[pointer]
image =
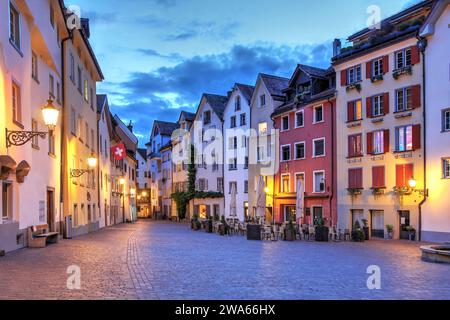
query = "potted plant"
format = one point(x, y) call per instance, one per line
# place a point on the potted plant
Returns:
point(411, 233)
point(321, 231)
point(357, 233)
point(390, 231)
point(366, 229)
point(289, 232)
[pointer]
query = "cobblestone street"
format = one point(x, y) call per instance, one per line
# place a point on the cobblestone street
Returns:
point(152, 260)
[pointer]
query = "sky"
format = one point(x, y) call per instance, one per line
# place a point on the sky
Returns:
point(159, 56)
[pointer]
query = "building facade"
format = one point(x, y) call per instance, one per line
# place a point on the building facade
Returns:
point(165, 184)
point(380, 126)
point(307, 147)
point(30, 73)
point(206, 137)
point(264, 155)
point(143, 184)
point(436, 210)
point(236, 136)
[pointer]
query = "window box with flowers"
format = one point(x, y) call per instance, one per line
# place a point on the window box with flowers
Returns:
point(403, 71)
point(355, 191)
point(402, 191)
point(356, 86)
point(378, 78)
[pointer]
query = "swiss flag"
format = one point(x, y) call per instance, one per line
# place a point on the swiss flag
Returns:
point(119, 151)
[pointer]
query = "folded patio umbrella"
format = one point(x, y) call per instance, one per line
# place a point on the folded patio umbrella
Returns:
point(261, 200)
point(233, 201)
point(299, 204)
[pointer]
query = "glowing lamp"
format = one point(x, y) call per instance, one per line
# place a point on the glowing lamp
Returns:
point(92, 161)
point(266, 190)
point(50, 114)
point(412, 183)
point(122, 181)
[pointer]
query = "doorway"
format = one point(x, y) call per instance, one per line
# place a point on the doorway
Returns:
point(51, 209)
point(405, 223)
point(317, 214)
point(377, 223)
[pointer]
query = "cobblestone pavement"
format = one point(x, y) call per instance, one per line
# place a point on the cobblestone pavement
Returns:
point(150, 260)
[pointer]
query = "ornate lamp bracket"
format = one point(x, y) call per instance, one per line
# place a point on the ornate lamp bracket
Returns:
point(76, 173)
point(20, 138)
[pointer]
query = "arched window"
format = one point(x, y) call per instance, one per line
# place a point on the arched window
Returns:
point(237, 105)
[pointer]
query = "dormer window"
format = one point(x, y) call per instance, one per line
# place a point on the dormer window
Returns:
point(304, 89)
point(237, 104)
point(262, 100)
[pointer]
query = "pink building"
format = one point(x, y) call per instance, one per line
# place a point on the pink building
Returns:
point(307, 146)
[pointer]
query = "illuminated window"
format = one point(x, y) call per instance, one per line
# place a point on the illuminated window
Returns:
point(404, 138)
point(16, 103)
point(285, 183)
point(446, 168)
point(262, 128)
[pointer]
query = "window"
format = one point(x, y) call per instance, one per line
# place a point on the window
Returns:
point(404, 173)
point(300, 119)
point(319, 181)
point(246, 186)
point(378, 138)
point(92, 140)
point(319, 148)
point(230, 186)
point(355, 178)
point(318, 114)
point(86, 127)
point(51, 85)
point(58, 92)
point(233, 122)
point(446, 120)
point(86, 90)
point(237, 104)
point(232, 165)
point(286, 153)
point(377, 106)
point(51, 144)
point(378, 177)
point(407, 138)
point(72, 68)
point(35, 128)
point(285, 183)
point(300, 152)
point(403, 99)
point(79, 80)
point(355, 146)
point(14, 26)
point(262, 100)
point(220, 185)
point(34, 67)
point(354, 110)
point(446, 168)
point(7, 201)
point(262, 128)
point(16, 103)
point(244, 141)
point(403, 58)
point(285, 123)
point(377, 67)
point(80, 128)
point(73, 121)
point(243, 119)
point(354, 74)
point(299, 177)
point(52, 16)
point(232, 143)
point(246, 163)
point(92, 98)
point(207, 117)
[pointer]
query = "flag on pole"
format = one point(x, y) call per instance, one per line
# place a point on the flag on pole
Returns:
point(119, 151)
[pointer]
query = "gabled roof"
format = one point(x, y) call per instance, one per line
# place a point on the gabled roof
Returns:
point(246, 90)
point(217, 103)
point(102, 99)
point(188, 116)
point(439, 8)
point(275, 84)
point(313, 71)
point(164, 128)
point(142, 152)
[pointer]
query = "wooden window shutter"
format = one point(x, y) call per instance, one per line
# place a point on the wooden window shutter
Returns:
point(409, 173)
point(369, 107)
point(351, 148)
point(351, 111)
point(369, 69)
point(385, 64)
point(386, 103)
point(344, 77)
point(386, 141)
point(378, 177)
point(351, 178)
point(400, 175)
point(415, 96)
point(359, 178)
point(355, 178)
point(415, 55)
point(369, 142)
point(416, 132)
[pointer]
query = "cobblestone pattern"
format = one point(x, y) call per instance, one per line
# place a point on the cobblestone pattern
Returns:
point(151, 260)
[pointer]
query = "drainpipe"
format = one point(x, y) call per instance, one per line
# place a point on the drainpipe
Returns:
point(333, 135)
point(422, 43)
point(63, 145)
point(223, 170)
point(274, 175)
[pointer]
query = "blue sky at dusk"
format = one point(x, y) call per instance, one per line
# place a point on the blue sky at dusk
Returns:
point(158, 56)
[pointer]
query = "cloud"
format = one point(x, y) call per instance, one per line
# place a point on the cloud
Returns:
point(158, 94)
point(96, 17)
point(154, 53)
point(166, 3)
point(181, 36)
point(203, 29)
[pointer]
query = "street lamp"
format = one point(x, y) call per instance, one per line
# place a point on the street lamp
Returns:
point(92, 163)
point(122, 181)
point(412, 183)
point(20, 138)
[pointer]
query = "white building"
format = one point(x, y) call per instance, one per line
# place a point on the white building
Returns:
point(236, 138)
point(206, 137)
point(160, 136)
point(165, 183)
point(436, 209)
point(30, 72)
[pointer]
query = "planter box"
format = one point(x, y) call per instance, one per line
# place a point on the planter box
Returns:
point(254, 232)
point(322, 234)
point(289, 235)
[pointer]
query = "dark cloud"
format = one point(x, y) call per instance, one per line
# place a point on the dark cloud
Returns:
point(154, 53)
point(215, 73)
point(203, 29)
point(181, 36)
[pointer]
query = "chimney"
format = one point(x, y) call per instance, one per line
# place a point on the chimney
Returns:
point(337, 47)
point(85, 27)
point(130, 126)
